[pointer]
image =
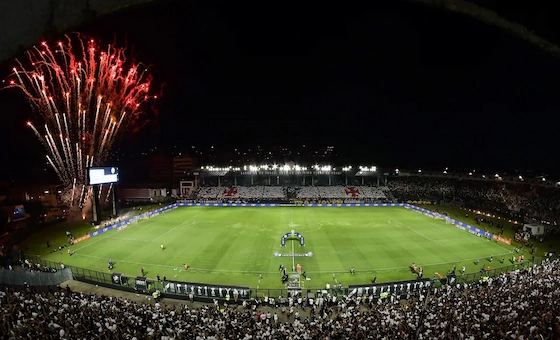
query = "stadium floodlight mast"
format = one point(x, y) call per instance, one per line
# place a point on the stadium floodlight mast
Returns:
point(217, 169)
point(370, 169)
point(345, 170)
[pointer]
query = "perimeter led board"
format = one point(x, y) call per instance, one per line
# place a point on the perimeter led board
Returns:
point(103, 175)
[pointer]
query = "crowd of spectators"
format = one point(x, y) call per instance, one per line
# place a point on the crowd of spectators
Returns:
point(341, 192)
point(517, 305)
point(512, 198)
point(347, 194)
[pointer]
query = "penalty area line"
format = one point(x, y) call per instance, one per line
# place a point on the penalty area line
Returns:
point(185, 224)
point(180, 270)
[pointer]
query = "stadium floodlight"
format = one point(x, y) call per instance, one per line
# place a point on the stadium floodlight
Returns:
point(470, 173)
point(253, 168)
point(346, 168)
point(326, 168)
point(420, 170)
point(298, 168)
point(544, 179)
point(286, 167)
point(445, 172)
point(520, 177)
point(397, 171)
point(275, 166)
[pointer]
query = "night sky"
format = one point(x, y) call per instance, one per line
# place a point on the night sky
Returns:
point(396, 85)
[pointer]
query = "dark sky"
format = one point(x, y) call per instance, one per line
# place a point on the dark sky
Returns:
point(390, 84)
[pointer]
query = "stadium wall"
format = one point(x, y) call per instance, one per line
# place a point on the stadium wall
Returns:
point(21, 278)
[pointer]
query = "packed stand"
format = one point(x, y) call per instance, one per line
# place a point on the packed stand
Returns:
point(516, 305)
point(511, 198)
point(332, 194)
point(348, 194)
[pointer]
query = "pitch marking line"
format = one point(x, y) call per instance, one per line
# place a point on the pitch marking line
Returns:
point(404, 225)
point(441, 227)
point(125, 261)
point(94, 242)
point(499, 246)
point(180, 270)
point(436, 225)
point(111, 232)
point(152, 222)
point(143, 264)
point(179, 226)
point(128, 239)
point(293, 247)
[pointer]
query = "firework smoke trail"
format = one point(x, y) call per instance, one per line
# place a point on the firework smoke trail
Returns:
point(85, 96)
point(73, 192)
point(109, 191)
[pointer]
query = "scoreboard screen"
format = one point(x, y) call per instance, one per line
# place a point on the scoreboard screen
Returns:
point(103, 175)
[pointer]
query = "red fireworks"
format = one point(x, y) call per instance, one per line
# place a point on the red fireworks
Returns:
point(84, 96)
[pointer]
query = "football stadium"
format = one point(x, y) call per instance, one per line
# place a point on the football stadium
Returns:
point(265, 170)
point(373, 239)
point(247, 244)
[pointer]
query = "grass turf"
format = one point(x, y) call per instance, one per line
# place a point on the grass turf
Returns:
point(234, 245)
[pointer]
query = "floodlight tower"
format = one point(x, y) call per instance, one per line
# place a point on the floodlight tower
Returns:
point(345, 170)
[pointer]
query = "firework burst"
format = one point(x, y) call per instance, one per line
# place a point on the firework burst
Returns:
point(85, 97)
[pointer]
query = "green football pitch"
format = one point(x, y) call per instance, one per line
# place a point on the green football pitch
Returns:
point(236, 245)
